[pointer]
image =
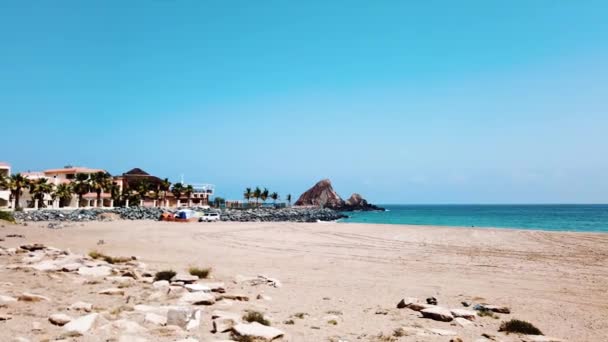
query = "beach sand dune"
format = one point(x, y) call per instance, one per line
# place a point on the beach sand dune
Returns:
point(355, 274)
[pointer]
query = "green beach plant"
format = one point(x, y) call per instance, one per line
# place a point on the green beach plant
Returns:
point(202, 273)
point(519, 327)
point(256, 316)
point(164, 275)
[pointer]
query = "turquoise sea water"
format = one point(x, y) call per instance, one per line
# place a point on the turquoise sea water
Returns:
point(563, 217)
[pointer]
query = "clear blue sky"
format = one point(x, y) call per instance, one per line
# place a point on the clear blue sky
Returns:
point(402, 101)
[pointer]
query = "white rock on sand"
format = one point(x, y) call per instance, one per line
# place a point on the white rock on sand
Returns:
point(7, 299)
point(82, 324)
point(160, 284)
point(155, 319)
point(463, 322)
point(198, 298)
point(185, 318)
point(98, 271)
point(224, 321)
point(59, 319)
point(184, 278)
point(197, 288)
point(468, 314)
point(30, 297)
point(258, 331)
point(83, 306)
point(114, 291)
point(438, 314)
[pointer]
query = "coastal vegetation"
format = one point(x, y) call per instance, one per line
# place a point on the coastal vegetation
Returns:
point(262, 194)
point(7, 216)
point(164, 275)
point(256, 316)
point(202, 273)
point(519, 327)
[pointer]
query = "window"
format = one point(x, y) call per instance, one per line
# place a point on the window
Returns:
point(69, 176)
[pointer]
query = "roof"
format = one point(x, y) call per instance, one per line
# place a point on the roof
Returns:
point(76, 169)
point(136, 172)
point(3, 164)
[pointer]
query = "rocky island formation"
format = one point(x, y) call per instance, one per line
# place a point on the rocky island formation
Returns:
point(323, 195)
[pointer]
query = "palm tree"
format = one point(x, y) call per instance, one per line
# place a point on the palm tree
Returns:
point(164, 186)
point(218, 201)
point(248, 194)
point(264, 195)
point(274, 196)
point(100, 182)
point(289, 199)
point(257, 193)
point(39, 188)
point(142, 188)
point(81, 186)
point(16, 183)
point(115, 192)
point(64, 193)
point(177, 190)
point(188, 192)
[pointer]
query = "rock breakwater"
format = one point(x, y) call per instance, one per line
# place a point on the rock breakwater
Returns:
point(144, 213)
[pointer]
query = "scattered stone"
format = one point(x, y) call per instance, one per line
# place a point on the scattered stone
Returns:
point(59, 319)
point(498, 309)
point(155, 319)
point(215, 286)
point(5, 317)
point(6, 299)
point(239, 297)
point(198, 298)
point(410, 331)
point(406, 302)
point(442, 332)
point(33, 247)
point(540, 338)
point(463, 322)
point(263, 297)
point(114, 291)
point(185, 318)
point(30, 297)
point(465, 304)
point(197, 288)
point(420, 306)
point(184, 278)
point(82, 324)
point(82, 306)
point(438, 314)
point(258, 331)
point(431, 301)
point(97, 271)
point(160, 284)
point(468, 314)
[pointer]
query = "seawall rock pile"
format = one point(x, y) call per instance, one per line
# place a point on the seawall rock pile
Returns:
point(145, 213)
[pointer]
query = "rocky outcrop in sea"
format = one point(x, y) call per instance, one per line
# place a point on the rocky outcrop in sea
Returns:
point(144, 213)
point(323, 195)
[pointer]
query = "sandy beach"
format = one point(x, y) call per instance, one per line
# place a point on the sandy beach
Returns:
point(354, 274)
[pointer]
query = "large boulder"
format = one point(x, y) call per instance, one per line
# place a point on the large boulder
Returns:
point(321, 194)
point(257, 331)
point(438, 314)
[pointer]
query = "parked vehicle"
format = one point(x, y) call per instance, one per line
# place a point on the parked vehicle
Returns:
point(209, 217)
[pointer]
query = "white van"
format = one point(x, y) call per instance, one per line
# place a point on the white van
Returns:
point(209, 217)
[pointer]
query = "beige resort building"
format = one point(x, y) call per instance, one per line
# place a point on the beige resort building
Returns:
point(5, 194)
point(63, 176)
